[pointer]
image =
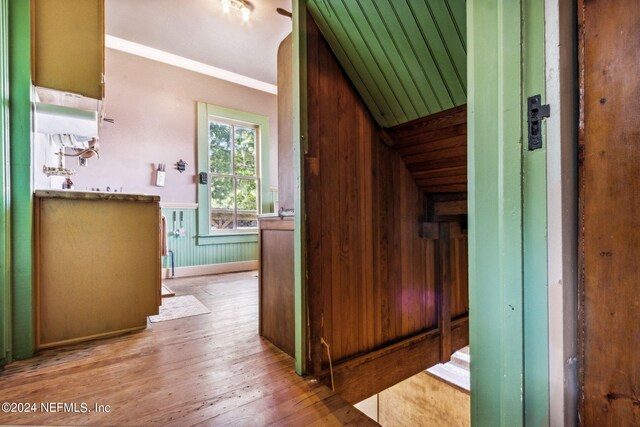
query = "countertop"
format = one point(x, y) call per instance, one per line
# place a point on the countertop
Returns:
point(94, 195)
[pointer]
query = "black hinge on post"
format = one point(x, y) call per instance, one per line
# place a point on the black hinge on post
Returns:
point(535, 113)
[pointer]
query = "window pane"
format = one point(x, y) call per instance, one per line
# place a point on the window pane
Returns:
point(247, 195)
point(245, 141)
point(220, 148)
point(222, 203)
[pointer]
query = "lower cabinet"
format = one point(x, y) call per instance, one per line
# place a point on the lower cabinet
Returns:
point(97, 264)
point(277, 282)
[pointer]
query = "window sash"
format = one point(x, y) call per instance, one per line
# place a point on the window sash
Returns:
point(233, 176)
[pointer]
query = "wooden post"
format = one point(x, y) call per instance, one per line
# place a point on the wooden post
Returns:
point(444, 290)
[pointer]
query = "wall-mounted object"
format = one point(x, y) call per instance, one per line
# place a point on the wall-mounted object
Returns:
point(60, 170)
point(181, 165)
point(203, 178)
point(58, 119)
point(160, 175)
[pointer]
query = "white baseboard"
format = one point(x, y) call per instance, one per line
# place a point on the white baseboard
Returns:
point(203, 270)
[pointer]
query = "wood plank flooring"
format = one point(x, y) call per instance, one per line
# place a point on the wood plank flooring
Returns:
point(211, 369)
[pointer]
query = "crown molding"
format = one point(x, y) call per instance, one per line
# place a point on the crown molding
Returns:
point(143, 51)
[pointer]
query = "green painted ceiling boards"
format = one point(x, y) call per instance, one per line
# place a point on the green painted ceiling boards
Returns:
point(407, 58)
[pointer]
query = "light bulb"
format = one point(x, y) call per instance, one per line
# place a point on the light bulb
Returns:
point(226, 5)
point(245, 13)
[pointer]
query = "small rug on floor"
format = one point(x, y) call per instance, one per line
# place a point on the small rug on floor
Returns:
point(166, 292)
point(179, 307)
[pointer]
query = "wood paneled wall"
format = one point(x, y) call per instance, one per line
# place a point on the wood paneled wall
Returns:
point(609, 193)
point(371, 278)
point(434, 148)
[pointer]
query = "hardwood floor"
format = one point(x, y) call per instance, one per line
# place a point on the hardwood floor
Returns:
point(211, 369)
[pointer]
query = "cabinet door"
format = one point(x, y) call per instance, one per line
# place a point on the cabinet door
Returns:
point(68, 46)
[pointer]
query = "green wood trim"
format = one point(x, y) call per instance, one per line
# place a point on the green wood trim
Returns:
point(21, 185)
point(507, 217)
point(5, 240)
point(535, 268)
point(220, 239)
point(204, 111)
point(300, 136)
point(203, 166)
point(495, 212)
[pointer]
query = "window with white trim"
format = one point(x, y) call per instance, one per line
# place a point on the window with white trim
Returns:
point(234, 181)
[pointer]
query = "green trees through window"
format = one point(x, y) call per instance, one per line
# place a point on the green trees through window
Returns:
point(233, 174)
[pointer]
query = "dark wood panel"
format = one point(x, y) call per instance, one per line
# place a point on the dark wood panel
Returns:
point(367, 276)
point(444, 119)
point(363, 376)
point(371, 278)
point(422, 146)
point(459, 272)
point(609, 304)
point(434, 148)
point(277, 283)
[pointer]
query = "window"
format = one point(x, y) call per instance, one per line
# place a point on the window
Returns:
point(232, 148)
point(233, 174)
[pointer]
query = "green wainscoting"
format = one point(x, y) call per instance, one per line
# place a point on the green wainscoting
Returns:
point(189, 250)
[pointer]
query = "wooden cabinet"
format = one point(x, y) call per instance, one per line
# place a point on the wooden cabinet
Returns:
point(68, 46)
point(277, 282)
point(97, 264)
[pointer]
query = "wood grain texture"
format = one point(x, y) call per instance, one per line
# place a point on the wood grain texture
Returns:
point(276, 282)
point(97, 278)
point(434, 148)
point(285, 123)
point(211, 369)
point(610, 201)
point(68, 46)
point(426, 401)
point(370, 276)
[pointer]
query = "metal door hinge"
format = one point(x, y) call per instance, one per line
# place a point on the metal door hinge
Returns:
point(536, 112)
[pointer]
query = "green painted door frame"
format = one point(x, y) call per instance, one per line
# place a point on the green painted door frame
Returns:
point(21, 187)
point(507, 216)
point(5, 271)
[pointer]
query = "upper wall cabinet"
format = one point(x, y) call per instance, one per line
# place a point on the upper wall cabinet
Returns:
point(68, 46)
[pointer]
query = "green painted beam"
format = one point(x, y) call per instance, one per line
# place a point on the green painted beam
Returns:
point(300, 136)
point(495, 131)
point(5, 239)
point(507, 216)
point(536, 310)
point(21, 183)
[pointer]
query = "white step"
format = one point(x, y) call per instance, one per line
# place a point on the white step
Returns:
point(456, 371)
point(461, 358)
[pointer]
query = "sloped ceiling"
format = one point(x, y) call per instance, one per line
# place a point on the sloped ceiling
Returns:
point(406, 58)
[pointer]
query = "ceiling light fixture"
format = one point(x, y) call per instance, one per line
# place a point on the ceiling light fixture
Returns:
point(241, 6)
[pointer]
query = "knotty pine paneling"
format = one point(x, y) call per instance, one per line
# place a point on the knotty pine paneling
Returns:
point(434, 149)
point(370, 276)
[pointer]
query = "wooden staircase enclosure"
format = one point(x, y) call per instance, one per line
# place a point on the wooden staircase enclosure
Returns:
point(385, 221)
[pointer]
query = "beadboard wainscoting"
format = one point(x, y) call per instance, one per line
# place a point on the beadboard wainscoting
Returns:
point(198, 255)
